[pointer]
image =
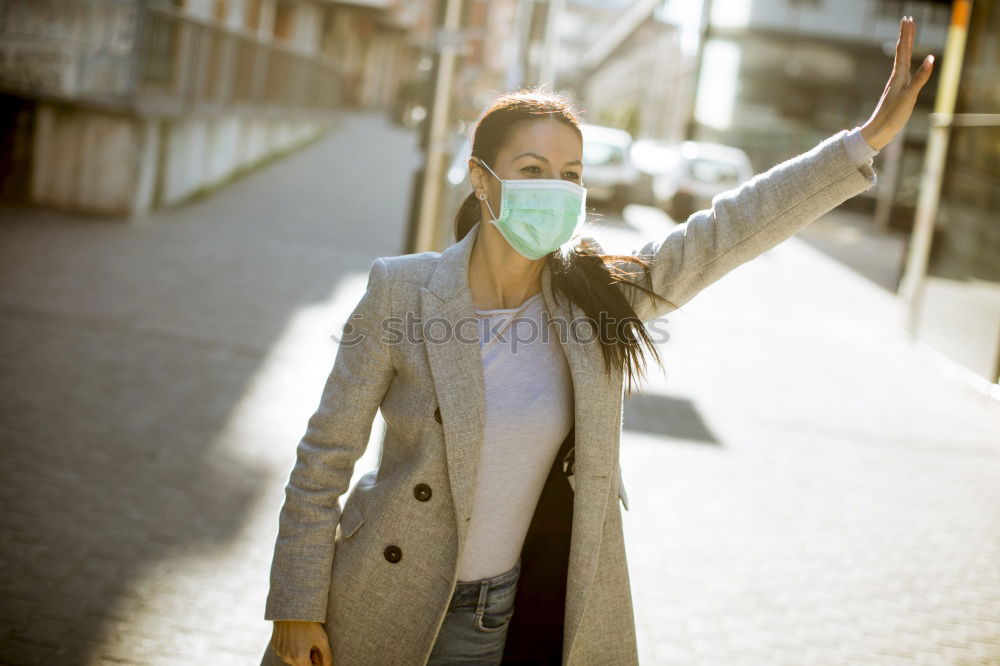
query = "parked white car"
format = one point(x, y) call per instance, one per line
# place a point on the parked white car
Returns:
point(698, 171)
point(608, 172)
point(651, 157)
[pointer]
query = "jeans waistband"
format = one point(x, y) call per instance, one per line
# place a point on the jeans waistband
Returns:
point(470, 590)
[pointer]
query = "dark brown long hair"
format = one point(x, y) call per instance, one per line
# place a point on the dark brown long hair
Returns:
point(585, 276)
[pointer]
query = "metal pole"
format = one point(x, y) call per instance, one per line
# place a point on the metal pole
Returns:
point(892, 155)
point(529, 66)
point(915, 272)
point(547, 70)
point(515, 66)
point(438, 137)
point(704, 26)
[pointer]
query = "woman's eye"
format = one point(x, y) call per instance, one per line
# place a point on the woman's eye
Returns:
point(570, 174)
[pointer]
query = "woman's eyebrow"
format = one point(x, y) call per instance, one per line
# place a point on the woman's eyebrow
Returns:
point(537, 156)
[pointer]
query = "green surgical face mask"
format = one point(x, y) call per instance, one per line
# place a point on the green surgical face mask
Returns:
point(537, 215)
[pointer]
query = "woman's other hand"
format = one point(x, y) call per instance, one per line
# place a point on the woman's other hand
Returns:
point(900, 94)
point(297, 643)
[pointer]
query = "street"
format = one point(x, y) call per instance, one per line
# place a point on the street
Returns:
point(806, 486)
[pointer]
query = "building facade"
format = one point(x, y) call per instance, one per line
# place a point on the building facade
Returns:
point(120, 107)
point(958, 311)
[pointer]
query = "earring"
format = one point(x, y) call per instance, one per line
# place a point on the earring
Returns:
point(482, 195)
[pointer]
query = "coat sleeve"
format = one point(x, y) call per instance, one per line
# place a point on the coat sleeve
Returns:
point(750, 219)
point(336, 436)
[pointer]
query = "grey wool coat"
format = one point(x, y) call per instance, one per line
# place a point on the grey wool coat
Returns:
point(380, 572)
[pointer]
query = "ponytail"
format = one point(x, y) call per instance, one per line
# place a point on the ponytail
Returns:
point(467, 216)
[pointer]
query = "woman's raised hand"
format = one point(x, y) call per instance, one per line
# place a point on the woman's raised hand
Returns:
point(900, 94)
point(301, 643)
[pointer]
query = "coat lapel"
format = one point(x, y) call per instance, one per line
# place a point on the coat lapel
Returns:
point(456, 369)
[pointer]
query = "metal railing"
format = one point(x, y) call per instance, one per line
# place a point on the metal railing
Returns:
point(150, 57)
point(183, 61)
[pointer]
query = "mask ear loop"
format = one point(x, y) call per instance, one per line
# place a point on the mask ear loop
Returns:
point(483, 196)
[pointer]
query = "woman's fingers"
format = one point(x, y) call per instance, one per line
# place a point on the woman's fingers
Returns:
point(913, 84)
point(301, 643)
point(321, 656)
point(923, 74)
point(900, 94)
point(904, 52)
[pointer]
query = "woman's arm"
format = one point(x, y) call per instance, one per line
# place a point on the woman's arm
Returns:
point(754, 217)
point(336, 436)
point(746, 221)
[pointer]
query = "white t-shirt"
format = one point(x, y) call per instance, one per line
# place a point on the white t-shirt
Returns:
point(529, 412)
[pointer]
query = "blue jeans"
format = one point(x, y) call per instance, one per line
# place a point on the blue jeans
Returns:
point(474, 630)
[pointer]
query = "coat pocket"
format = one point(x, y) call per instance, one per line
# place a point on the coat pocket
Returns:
point(622, 495)
point(352, 518)
point(568, 463)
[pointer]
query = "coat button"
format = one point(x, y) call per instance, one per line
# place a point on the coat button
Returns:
point(393, 554)
point(437, 415)
point(422, 492)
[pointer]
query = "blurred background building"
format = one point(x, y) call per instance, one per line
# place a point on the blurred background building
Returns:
point(634, 72)
point(119, 107)
point(956, 309)
point(122, 107)
point(777, 77)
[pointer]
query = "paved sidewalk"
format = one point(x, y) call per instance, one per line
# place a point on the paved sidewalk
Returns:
point(154, 383)
point(806, 488)
point(806, 485)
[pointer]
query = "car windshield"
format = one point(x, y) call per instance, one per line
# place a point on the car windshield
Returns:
point(712, 171)
point(597, 154)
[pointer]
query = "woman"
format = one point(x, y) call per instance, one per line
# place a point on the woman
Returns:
point(491, 532)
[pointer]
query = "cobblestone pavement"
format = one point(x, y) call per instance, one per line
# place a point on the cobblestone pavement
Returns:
point(805, 486)
point(154, 382)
